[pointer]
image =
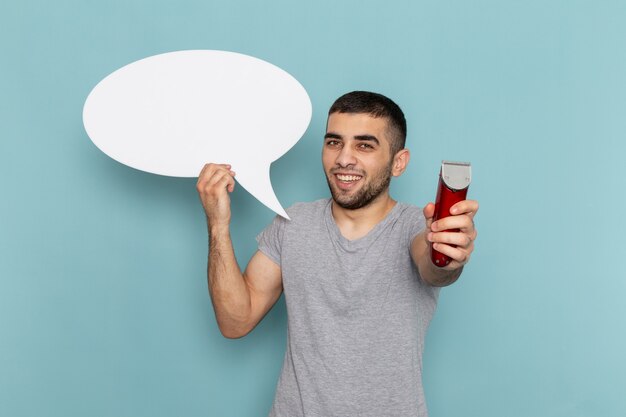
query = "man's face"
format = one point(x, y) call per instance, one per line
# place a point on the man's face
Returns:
point(357, 158)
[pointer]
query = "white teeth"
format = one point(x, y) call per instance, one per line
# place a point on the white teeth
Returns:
point(348, 178)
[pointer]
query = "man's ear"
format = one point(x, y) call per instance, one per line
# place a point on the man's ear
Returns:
point(400, 161)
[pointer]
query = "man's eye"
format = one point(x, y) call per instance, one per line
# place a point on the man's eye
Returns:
point(365, 146)
point(332, 143)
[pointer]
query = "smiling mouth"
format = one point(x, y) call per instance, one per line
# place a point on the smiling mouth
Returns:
point(348, 178)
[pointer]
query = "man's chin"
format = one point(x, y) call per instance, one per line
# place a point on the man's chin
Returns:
point(349, 200)
point(349, 204)
point(355, 201)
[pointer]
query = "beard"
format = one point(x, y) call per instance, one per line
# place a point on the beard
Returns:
point(368, 192)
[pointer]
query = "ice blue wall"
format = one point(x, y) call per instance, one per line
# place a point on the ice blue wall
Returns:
point(104, 308)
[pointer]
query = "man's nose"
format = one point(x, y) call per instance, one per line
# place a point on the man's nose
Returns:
point(346, 157)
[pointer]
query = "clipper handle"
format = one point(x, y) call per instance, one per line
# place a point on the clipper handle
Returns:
point(446, 198)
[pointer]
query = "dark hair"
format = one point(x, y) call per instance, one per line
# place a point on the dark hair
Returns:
point(376, 105)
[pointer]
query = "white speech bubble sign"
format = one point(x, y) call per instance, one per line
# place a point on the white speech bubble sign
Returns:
point(169, 114)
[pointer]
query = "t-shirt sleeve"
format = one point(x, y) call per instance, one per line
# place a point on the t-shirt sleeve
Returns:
point(414, 223)
point(271, 238)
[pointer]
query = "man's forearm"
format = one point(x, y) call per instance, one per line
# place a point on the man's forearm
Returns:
point(433, 275)
point(436, 276)
point(229, 293)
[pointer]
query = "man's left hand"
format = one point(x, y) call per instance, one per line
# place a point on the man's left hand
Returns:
point(457, 245)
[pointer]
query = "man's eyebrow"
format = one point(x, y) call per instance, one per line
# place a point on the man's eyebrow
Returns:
point(331, 135)
point(370, 138)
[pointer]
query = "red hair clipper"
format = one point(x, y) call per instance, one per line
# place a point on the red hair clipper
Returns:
point(454, 180)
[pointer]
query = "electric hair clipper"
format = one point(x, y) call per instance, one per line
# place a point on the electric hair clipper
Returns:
point(454, 180)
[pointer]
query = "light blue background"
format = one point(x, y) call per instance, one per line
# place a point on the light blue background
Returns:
point(104, 309)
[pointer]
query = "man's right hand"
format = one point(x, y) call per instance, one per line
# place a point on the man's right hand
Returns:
point(214, 183)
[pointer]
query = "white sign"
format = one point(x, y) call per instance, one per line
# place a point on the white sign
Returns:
point(170, 114)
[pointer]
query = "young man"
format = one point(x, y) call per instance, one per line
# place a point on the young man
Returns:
point(359, 285)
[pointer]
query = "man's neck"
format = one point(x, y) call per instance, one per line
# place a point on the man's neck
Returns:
point(354, 224)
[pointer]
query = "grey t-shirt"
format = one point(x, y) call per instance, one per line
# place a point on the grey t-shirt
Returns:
point(357, 313)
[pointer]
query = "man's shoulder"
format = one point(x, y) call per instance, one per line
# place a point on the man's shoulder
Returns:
point(410, 210)
point(410, 218)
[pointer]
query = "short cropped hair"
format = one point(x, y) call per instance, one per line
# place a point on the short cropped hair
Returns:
point(376, 105)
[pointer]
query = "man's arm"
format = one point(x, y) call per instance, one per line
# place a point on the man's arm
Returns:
point(240, 300)
point(462, 218)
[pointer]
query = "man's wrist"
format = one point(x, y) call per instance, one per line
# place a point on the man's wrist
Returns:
point(218, 229)
point(437, 276)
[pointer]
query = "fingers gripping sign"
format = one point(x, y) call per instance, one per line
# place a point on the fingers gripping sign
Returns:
point(457, 245)
point(214, 184)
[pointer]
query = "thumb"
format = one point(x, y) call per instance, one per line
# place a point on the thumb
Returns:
point(231, 182)
point(429, 214)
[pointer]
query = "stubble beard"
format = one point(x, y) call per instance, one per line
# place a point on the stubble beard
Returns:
point(366, 194)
